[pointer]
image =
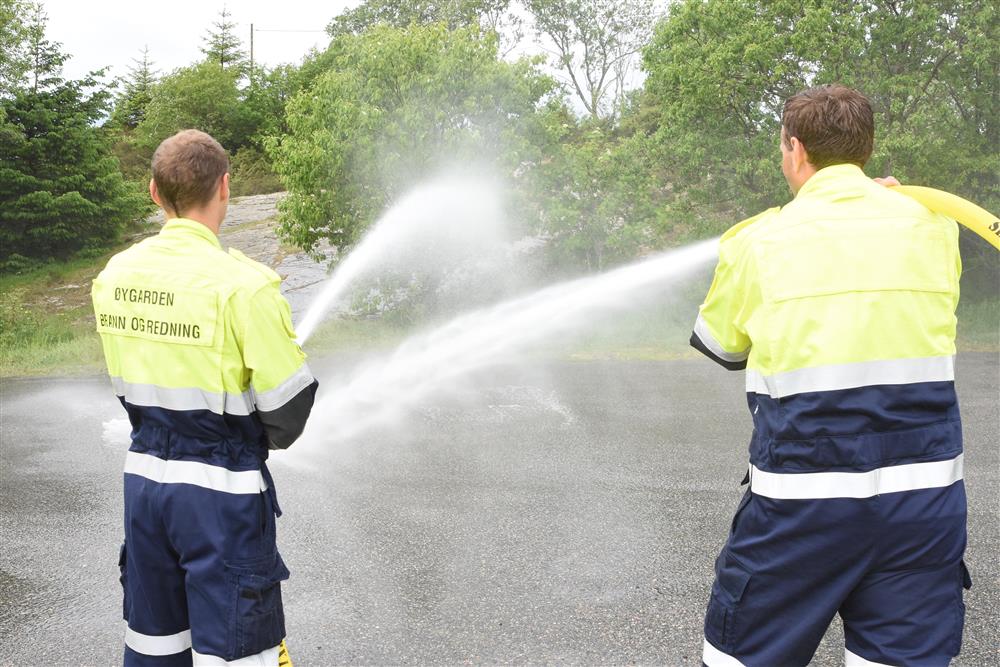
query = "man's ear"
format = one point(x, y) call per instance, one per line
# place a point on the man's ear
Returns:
point(154, 194)
point(799, 156)
point(224, 187)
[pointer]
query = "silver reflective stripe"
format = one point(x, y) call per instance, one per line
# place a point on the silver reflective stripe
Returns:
point(183, 398)
point(713, 657)
point(855, 660)
point(706, 337)
point(266, 658)
point(891, 479)
point(194, 472)
point(157, 644)
point(272, 399)
point(756, 384)
point(851, 376)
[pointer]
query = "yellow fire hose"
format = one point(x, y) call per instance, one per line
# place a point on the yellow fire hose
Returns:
point(283, 658)
point(964, 212)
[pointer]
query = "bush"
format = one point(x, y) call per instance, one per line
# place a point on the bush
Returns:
point(251, 174)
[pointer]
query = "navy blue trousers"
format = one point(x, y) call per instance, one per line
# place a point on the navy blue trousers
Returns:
point(890, 565)
point(200, 570)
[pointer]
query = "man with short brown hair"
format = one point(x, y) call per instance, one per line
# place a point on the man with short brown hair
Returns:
point(202, 355)
point(841, 308)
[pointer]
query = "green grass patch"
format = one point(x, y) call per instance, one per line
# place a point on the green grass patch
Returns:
point(46, 320)
point(356, 335)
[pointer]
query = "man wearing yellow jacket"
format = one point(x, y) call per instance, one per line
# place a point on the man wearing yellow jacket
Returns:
point(201, 353)
point(841, 308)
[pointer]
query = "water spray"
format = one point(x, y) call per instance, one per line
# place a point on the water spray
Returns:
point(449, 214)
point(432, 361)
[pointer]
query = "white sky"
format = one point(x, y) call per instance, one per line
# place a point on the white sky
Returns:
point(111, 33)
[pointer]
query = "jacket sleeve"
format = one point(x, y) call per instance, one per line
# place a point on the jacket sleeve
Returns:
point(282, 384)
point(720, 331)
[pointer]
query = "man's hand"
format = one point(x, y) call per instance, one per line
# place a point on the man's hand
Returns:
point(888, 181)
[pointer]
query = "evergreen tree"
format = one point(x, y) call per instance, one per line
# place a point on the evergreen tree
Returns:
point(13, 34)
point(60, 188)
point(223, 46)
point(136, 93)
point(45, 60)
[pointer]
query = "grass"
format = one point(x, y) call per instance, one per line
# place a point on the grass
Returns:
point(355, 335)
point(46, 320)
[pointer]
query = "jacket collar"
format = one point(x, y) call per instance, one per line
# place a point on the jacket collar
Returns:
point(835, 179)
point(189, 227)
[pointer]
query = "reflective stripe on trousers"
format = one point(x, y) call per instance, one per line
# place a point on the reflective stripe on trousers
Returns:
point(890, 479)
point(197, 473)
point(163, 645)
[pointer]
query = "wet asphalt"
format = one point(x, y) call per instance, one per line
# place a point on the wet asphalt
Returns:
point(563, 512)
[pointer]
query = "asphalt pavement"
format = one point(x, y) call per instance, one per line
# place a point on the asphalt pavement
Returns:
point(564, 512)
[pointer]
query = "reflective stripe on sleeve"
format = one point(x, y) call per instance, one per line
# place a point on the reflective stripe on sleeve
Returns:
point(855, 660)
point(891, 479)
point(194, 472)
point(851, 376)
point(266, 658)
point(713, 657)
point(272, 399)
point(705, 336)
point(157, 644)
point(183, 398)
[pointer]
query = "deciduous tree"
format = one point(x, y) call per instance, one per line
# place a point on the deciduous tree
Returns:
point(395, 105)
point(596, 45)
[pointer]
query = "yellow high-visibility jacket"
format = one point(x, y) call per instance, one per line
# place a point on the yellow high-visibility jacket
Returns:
point(200, 349)
point(841, 307)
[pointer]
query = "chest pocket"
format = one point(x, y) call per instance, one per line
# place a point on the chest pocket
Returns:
point(850, 257)
point(157, 311)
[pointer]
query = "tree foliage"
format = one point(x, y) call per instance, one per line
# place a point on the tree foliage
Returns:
point(60, 188)
point(395, 105)
point(719, 71)
point(599, 198)
point(222, 46)
point(596, 44)
point(496, 17)
point(203, 96)
point(136, 93)
point(14, 61)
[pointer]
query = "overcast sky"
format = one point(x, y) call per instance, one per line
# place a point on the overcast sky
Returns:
point(103, 33)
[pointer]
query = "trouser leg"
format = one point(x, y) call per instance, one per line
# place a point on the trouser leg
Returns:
point(233, 575)
point(157, 632)
point(781, 578)
point(909, 609)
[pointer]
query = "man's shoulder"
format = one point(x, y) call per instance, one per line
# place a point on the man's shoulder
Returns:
point(743, 229)
point(741, 235)
point(252, 272)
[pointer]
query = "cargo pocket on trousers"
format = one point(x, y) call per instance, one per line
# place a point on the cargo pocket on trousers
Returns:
point(257, 618)
point(122, 566)
point(966, 583)
point(731, 579)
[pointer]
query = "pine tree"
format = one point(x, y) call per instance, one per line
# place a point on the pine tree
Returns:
point(13, 33)
point(136, 93)
point(223, 46)
point(45, 60)
point(60, 188)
